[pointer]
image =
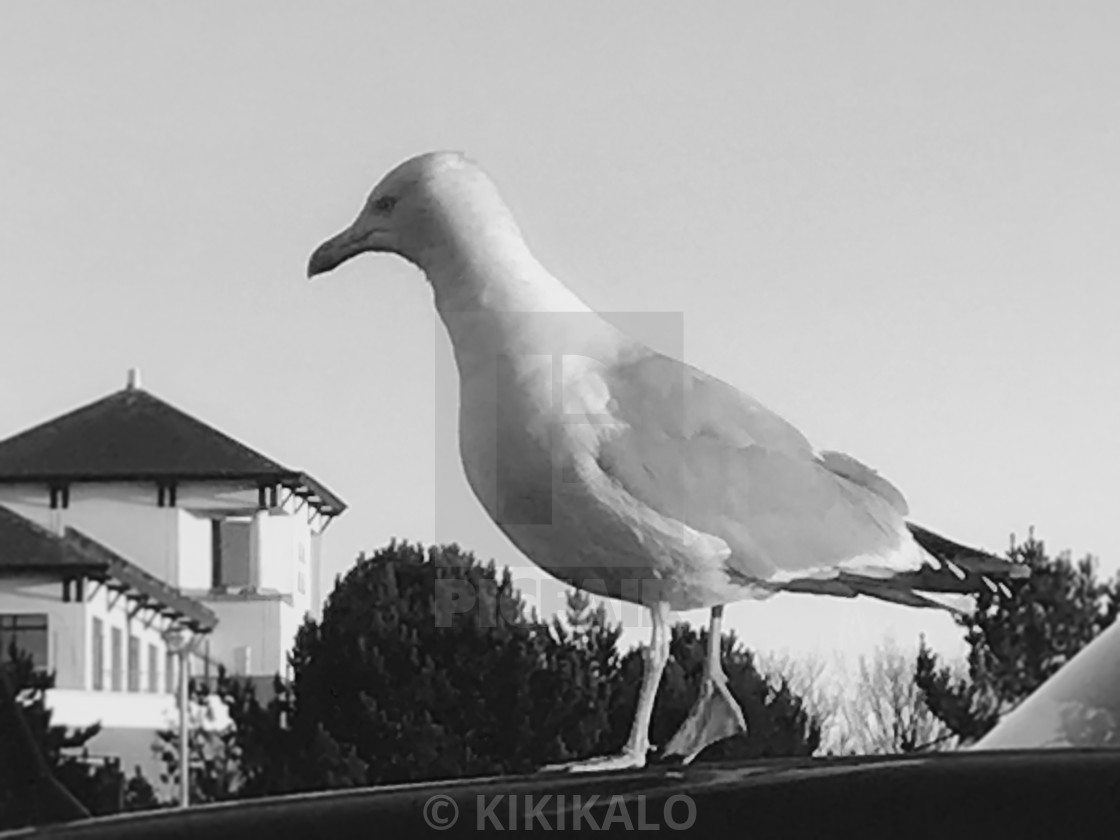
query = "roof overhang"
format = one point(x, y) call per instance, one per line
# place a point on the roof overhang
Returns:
point(143, 586)
point(317, 494)
point(73, 556)
point(301, 484)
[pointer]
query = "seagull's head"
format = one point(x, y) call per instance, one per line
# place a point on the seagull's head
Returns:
point(420, 210)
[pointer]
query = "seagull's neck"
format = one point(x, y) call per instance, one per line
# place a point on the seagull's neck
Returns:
point(493, 296)
point(477, 259)
point(503, 278)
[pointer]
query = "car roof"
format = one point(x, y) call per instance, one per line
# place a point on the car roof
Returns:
point(988, 794)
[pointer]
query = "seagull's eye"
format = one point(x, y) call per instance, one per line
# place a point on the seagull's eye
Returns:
point(385, 204)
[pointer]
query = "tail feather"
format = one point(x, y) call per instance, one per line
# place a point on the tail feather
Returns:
point(909, 597)
point(957, 571)
point(970, 559)
point(951, 569)
point(972, 568)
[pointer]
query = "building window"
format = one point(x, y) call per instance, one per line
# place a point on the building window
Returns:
point(170, 670)
point(153, 669)
point(28, 633)
point(97, 660)
point(230, 550)
point(301, 582)
point(133, 663)
point(116, 655)
point(216, 571)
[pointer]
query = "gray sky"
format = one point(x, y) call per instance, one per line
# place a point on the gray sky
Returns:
point(893, 222)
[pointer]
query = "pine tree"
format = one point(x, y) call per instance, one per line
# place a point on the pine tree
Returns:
point(427, 663)
point(215, 754)
point(1016, 643)
point(261, 753)
point(59, 774)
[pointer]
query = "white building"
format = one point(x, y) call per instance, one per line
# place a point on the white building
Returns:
point(126, 518)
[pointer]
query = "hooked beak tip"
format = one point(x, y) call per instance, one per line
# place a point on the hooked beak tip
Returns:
point(330, 255)
point(314, 266)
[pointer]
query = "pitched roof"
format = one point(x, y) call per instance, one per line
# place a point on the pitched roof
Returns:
point(26, 547)
point(132, 435)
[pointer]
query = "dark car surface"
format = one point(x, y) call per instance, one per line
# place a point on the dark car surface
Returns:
point(1050, 769)
point(988, 795)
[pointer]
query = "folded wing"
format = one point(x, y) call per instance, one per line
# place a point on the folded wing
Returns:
point(698, 451)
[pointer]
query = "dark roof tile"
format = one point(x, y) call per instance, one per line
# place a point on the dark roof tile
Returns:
point(132, 435)
point(26, 546)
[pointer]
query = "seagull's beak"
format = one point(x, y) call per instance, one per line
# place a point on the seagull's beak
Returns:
point(338, 249)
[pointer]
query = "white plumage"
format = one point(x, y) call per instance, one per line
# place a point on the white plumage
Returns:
point(628, 473)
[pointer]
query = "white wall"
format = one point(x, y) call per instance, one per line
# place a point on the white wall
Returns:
point(123, 517)
point(315, 561)
point(195, 550)
point(113, 611)
point(215, 497)
point(275, 548)
point(268, 626)
point(174, 544)
point(303, 575)
point(65, 624)
point(126, 518)
point(118, 710)
point(291, 619)
point(70, 632)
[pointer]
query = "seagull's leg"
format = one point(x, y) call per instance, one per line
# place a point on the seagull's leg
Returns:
point(715, 715)
point(637, 746)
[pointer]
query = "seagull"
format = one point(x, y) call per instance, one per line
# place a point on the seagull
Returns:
point(630, 474)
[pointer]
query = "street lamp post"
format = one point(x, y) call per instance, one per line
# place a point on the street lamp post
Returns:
point(178, 644)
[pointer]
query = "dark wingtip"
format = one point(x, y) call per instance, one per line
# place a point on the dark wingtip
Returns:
point(972, 560)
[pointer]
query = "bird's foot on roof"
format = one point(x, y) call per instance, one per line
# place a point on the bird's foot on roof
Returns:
point(714, 716)
point(625, 760)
